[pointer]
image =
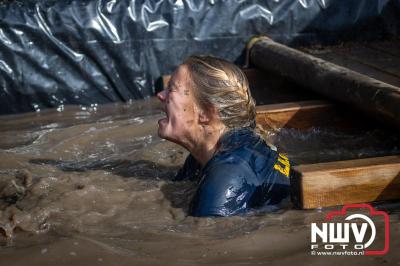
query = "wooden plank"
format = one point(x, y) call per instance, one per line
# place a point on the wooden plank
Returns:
point(306, 114)
point(391, 47)
point(372, 96)
point(379, 60)
point(373, 58)
point(292, 107)
point(345, 182)
point(345, 61)
point(300, 115)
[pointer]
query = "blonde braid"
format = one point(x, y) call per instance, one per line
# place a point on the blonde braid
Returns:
point(220, 84)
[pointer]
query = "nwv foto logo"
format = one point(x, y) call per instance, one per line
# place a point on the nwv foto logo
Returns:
point(336, 235)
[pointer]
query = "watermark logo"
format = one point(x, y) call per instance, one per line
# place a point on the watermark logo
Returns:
point(349, 233)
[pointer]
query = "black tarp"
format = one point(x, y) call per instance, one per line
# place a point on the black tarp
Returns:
point(91, 52)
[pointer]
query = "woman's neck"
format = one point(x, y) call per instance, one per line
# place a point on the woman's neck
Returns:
point(204, 147)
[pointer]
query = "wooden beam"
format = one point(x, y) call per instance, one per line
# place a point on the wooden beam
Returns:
point(345, 182)
point(375, 97)
point(301, 115)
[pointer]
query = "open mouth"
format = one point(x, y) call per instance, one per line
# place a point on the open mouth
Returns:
point(164, 119)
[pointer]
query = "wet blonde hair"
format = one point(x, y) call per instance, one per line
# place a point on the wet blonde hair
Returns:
point(221, 84)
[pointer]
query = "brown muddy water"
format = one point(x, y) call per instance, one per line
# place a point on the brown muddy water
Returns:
point(90, 186)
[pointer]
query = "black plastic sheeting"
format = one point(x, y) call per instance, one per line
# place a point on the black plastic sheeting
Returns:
point(91, 52)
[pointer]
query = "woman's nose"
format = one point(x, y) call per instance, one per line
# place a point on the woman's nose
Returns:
point(161, 95)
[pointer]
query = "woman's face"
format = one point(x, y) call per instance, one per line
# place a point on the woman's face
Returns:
point(180, 108)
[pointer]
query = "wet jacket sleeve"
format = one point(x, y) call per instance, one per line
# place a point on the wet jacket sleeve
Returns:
point(224, 191)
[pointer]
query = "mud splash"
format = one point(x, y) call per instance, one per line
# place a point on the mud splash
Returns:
point(92, 187)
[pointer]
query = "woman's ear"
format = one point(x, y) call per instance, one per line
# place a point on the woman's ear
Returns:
point(205, 117)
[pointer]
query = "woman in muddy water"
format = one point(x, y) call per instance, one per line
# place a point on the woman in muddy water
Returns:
point(210, 112)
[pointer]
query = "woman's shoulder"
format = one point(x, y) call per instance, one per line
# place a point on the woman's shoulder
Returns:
point(232, 170)
point(224, 190)
point(247, 145)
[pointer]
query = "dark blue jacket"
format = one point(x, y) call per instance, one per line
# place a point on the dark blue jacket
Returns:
point(244, 173)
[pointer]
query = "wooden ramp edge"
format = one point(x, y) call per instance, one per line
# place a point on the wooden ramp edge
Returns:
point(300, 115)
point(346, 182)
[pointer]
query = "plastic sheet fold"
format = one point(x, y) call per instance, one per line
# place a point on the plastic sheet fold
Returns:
point(87, 52)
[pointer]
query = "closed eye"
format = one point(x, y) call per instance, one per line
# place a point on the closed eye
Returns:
point(171, 88)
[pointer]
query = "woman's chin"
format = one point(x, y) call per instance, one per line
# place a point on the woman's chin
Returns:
point(162, 126)
point(163, 121)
